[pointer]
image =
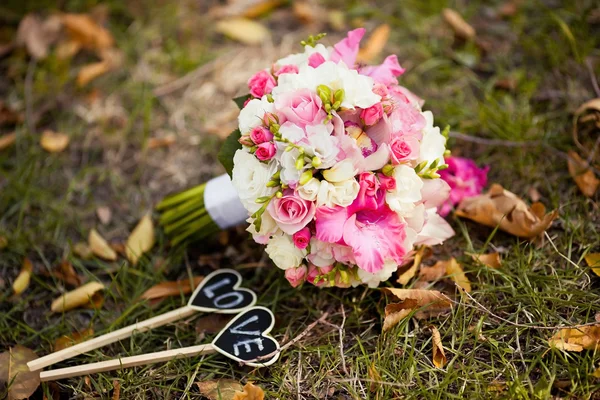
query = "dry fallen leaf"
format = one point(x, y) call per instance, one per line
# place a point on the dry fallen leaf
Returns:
point(66, 273)
point(577, 339)
point(172, 288)
point(211, 324)
point(433, 273)
point(36, 35)
point(491, 260)
point(306, 12)
point(116, 390)
point(596, 373)
point(375, 44)
point(455, 272)
point(77, 298)
point(104, 215)
point(222, 389)
point(429, 302)
point(141, 240)
point(586, 118)
point(374, 376)
point(54, 142)
point(15, 374)
point(21, 283)
point(3, 242)
point(499, 207)
point(337, 20)
point(410, 273)
point(250, 392)
point(396, 312)
point(439, 357)
point(155, 143)
point(247, 8)
point(460, 27)
point(82, 29)
point(593, 261)
point(89, 72)
point(100, 247)
point(8, 116)
point(69, 340)
point(582, 174)
point(243, 30)
point(83, 250)
point(7, 140)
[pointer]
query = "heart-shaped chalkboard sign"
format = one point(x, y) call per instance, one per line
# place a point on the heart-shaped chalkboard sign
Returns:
point(220, 292)
point(246, 338)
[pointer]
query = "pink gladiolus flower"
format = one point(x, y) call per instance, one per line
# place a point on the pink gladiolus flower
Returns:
point(287, 69)
point(302, 107)
point(404, 148)
point(465, 180)
point(260, 134)
point(370, 116)
point(315, 60)
point(265, 151)
point(296, 276)
point(302, 238)
point(291, 212)
point(261, 83)
point(386, 73)
point(346, 50)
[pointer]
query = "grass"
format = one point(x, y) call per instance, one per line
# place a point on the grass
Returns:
point(48, 202)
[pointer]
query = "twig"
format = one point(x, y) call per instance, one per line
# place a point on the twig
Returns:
point(370, 381)
point(340, 329)
point(299, 376)
point(590, 69)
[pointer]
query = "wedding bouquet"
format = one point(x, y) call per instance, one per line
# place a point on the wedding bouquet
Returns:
point(334, 167)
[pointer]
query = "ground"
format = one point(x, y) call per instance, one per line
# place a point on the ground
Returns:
point(529, 68)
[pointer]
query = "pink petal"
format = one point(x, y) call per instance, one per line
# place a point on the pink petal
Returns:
point(346, 50)
point(385, 73)
point(329, 223)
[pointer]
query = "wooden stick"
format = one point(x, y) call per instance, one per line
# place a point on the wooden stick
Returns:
point(112, 337)
point(126, 362)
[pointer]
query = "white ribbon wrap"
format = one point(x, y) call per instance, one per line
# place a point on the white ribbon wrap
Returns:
point(222, 202)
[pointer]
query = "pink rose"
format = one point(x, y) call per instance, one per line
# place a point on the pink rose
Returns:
point(291, 213)
point(261, 83)
point(302, 107)
point(369, 196)
point(404, 148)
point(368, 183)
point(302, 238)
point(260, 134)
point(296, 276)
point(315, 60)
point(265, 151)
point(287, 69)
point(387, 182)
point(269, 119)
point(314, 271)
point(372, 115)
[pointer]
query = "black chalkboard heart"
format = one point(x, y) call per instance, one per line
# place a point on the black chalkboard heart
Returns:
point(245, 338)
point(220, 292)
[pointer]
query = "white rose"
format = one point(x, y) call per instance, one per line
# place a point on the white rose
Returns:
point(433, 144)
point(373, 280)
point(301, 59)
point(291, 132)
point(251, 115)
point(407, 192)
point(344, 193)
point(340, 172)
point(250, 178)
point(324, 196)
point(322, 144)
point(268, 227)
point(289, 173)
point(321, 253)
point(309, 190)
point(284, 253)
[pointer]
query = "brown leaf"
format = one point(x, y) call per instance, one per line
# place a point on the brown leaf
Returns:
point(104, 215)
point(79, 297)
point(596, 373)
point(3, 242)
point(141, 240)
point(460, 27)
point(396, 312)
point(8, 116)
point(306, 12)
point(54, 142)
point(36, 36)
point(250, 392)
point(83, 30)
point(577, 339)
point(171, 288)
point(439, 357)
point(433, 273)
point(243, 30)
point(582, 174)
point(410, 273)
point(374, 376)
point(89, 72)
point(593, 261)
point(491, 260)
point(69, 340)
point(116, 390)
point(100, 247)
point(248, 8)
point(222, 389)
point(155, 143)
point(375, 44)
point(499, 207)
point(21, 283)
point(66, 273)
point(15, 374)
point(66, 49)
point(457, 274)
point(7, 140)
point(211, 323)
point(429, 302)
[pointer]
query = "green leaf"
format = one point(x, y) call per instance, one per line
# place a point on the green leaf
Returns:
point(241, 100)
point(228, 149)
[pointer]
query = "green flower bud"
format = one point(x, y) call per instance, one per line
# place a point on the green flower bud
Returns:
point(300, 163)
point(442, 167)
point(419, 167)
point(324, 93)
point(388, 170)
point(316, 162)
point(263, 199)
point(273, 183)
point(305, 177)
point(270, 98)
point(336, 105)
point(339, 95)
point(279, 194)
point(276, 175)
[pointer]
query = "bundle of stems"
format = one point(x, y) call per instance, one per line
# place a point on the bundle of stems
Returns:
point(184, 217)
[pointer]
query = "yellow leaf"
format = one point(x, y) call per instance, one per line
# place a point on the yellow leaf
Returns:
point(243, 30)
point(15, 374)
point(222, 389)
point(577, 339)
point(100, 247)
point(410, 273)
point(581, 173)
point(104, 215)
point(375, 44)
point(374, 376)
point(499, 207)
point(396, 312)
point(116, 390)
point(21, 283)
point(250, 392)
point(83, 30)
point(306, 12)
point(455, 272)
point(460, 27)
point(69, 340)
point(491, 260)
point(429, 302)
point(596, 373)
point(433, 273)
point(172, 288)
point(83, 250)
point(141, 240)
point(439, 357)
point(7, 140)
point(155, 143)
point(54, 142)
point(593, 261)
point(3, 242)
point(89, 72)
point(76, 298)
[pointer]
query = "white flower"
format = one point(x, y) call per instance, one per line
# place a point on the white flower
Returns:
point(309, 190)
point(407, 192)
point(291, 132)
point(342, 171)
point(433, 144)
point(321, 253)
point(284, 253)
point(250, 178)
point(373, 280)
point(251, 115)
point(301, 59)
point(289, 174)
point(322, 144)
point(268, 227)
point(337, 194)
point(435, 230)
